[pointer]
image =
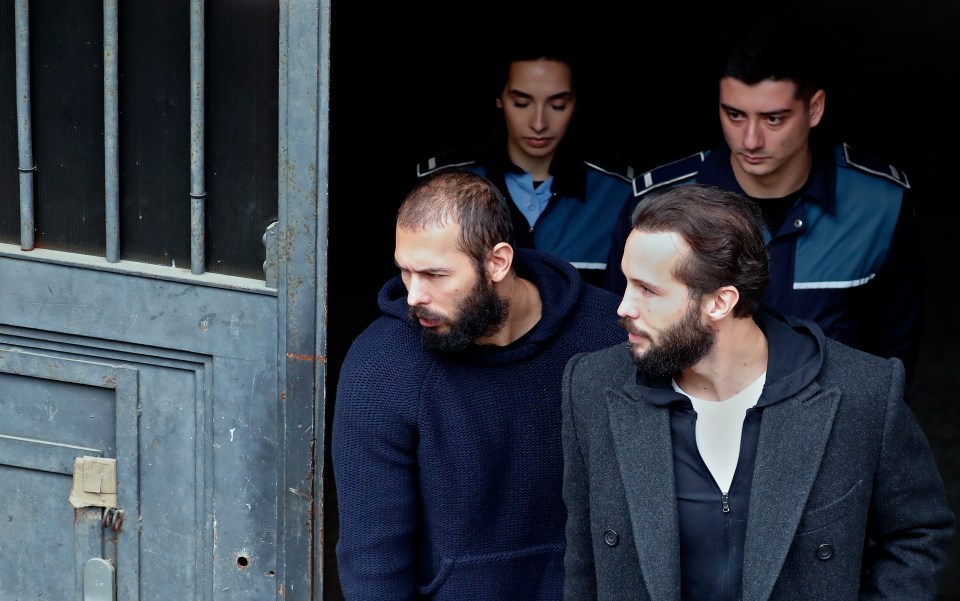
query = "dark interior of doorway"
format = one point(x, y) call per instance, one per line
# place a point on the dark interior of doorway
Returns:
point(406, 83)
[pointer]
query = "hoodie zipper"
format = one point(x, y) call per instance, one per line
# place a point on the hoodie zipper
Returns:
point(725, 557)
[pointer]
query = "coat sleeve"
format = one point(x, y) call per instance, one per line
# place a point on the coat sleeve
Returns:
point(580, 576)
point(374, 463)
point(910, 523)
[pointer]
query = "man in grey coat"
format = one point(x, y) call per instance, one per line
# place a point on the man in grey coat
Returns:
point(729, 453)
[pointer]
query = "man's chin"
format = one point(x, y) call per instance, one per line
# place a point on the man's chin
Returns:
point(760, 169)
point(444, 342)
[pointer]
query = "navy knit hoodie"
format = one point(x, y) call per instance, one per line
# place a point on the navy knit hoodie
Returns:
point(449, 466)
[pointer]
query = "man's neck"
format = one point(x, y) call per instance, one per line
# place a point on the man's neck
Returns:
point(737, 359)
point(525, 310)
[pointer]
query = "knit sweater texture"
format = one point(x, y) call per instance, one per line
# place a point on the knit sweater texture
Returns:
point(449, 466)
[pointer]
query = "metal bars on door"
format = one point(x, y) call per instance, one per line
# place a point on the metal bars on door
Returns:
point(111, 119)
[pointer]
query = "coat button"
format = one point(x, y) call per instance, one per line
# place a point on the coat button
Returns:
point(824, 552)
point(611, 538)
point(797, 222)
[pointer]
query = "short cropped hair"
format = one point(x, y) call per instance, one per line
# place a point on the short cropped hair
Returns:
point(777, 49)
point(462, 197)
point(725, 232)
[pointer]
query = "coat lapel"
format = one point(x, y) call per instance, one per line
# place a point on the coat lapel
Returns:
point(793, 437)
point(641, 435)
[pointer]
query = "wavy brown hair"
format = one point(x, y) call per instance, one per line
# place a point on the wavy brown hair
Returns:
point(725, 232)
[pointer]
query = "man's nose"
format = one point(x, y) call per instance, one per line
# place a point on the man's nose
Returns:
point(753, 135)
point(416, 292)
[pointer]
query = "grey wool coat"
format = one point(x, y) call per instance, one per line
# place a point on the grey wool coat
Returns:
point(846, 502)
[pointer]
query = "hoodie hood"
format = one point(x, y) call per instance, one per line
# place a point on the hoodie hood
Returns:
point(795, 357)
point(560, 286)
point(795, 354)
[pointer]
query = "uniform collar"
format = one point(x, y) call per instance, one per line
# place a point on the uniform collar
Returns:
point(569, 173)
point(716, 170)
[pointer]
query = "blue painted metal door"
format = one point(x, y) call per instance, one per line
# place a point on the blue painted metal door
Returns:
point(177, 381)
point(199, 386)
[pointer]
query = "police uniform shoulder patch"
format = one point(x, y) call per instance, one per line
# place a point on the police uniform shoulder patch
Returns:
point(671, 173)
point(445, 160)
point(869, 164)
point(612, 166)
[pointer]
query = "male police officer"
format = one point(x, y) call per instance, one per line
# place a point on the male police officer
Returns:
point(844, 251)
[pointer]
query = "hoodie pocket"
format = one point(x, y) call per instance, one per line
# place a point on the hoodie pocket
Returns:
point(512, 574)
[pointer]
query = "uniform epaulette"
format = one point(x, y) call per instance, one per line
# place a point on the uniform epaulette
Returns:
point(870, 164)
point(612, 166)
point(445, 160)
point(670, 173)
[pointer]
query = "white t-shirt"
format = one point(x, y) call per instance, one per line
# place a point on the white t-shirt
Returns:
point(719, 426)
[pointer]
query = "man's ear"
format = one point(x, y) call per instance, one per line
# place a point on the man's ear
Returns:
point(721, 302)
point(499, 261)
point(816, 107)
point(499, 103)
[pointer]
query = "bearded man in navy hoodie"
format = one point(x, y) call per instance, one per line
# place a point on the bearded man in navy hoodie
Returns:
point(446, 433)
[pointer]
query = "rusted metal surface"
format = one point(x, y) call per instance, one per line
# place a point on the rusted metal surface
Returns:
point(113, 518)
point(302, 149)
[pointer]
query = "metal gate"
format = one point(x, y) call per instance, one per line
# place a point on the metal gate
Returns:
point(161, 421)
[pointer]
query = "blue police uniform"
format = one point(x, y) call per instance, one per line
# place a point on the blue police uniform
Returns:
point(570, 216)
point(847, 255)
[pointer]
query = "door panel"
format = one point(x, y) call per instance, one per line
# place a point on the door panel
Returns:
point(52, 409)
point(176, 380)
point(36, 515)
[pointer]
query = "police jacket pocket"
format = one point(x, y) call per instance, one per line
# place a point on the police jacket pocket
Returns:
point(832, 512)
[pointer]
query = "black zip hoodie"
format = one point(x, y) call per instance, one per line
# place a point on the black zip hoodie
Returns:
point(713, 524)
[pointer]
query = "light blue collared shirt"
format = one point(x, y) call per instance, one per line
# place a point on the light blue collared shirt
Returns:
point(531, 201)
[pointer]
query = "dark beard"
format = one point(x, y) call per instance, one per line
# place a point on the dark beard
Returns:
point(681, 345)
point(482, 312)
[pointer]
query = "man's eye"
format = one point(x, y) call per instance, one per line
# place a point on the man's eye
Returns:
point(774, 119)
point(733, 116)
point(643, 290)
point(559, 107)
point(520, 105)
